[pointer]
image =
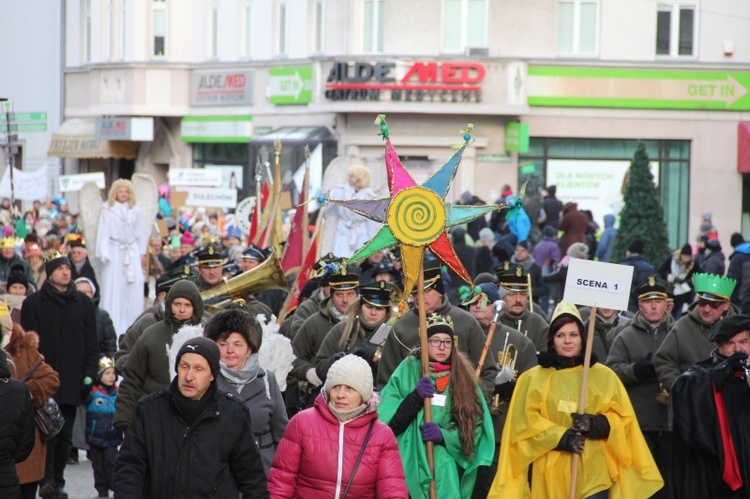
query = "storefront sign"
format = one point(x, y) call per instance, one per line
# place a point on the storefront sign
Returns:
point(27, 185)
point(598, 284)
point(291, 85)
point(211, 197)
point(214, 129)
point(183, 177)
point(517, 137)
point(494, 158)
point(139, 129)
point(638, 88)
point(221, 88)
point(416, 82)
point(73, 183)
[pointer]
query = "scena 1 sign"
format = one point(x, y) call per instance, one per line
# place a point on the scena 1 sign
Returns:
point(598, 284)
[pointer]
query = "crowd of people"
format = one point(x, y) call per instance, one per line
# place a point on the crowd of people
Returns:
point(158, 373)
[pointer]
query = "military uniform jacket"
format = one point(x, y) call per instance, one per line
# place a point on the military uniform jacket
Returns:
point(634, 343)
point(533, 326)
point(305, 310)
point(310, 336)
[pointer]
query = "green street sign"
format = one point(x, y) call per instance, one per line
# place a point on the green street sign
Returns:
point(517, 137)
point(40, 116)
point(638, 88)
point(23, 127)
point(291, 85)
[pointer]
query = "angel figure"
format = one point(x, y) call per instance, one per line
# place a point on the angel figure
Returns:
point(352, 230)
point(120, 229)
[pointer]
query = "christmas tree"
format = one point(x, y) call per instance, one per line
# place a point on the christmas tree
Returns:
point(642, 216)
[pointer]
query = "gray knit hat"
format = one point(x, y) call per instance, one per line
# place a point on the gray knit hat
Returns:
point(352, 371)
point(578, 250)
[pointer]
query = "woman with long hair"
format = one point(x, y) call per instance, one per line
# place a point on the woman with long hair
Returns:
point(121, 243)
point(461, 427)
point(544, 430)
point(353, 333)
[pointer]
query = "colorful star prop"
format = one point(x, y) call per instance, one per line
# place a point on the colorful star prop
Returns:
point(416, 216)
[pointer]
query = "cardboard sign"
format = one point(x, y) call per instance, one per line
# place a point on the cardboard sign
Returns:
point(598, 284)
point(178, 198)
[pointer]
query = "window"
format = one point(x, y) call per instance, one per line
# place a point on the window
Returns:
point(675, 30)
point(577, 27)
point(464, 25)
point(247, 19)
point(319, 27)
point(283, 29)
point(373, 26)
point(213, 31)
point(160, 27)
point(87, 31)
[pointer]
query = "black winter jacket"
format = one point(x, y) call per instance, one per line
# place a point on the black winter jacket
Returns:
point(162, 457)
point(16, 428)
point(66, 325)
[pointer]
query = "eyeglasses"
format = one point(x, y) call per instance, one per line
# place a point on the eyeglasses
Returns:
point(713, 304)
point(436, 343)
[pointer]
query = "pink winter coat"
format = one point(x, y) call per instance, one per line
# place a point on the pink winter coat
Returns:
point(317, 453)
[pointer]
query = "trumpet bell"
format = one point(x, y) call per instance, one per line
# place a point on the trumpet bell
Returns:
point(267, 275)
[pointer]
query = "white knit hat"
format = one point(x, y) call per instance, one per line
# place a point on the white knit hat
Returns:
point(352, 371)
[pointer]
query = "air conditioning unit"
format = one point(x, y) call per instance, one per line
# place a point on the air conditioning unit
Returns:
point(478, 52)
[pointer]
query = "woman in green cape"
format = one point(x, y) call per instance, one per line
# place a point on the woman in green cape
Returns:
point(461, 427)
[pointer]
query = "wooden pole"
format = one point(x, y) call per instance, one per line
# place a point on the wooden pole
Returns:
point(306, 192)
point(485, 348)
point(582, 394)
point(425, 371)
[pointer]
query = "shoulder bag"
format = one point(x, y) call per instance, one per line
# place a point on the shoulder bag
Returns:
point(47, 416)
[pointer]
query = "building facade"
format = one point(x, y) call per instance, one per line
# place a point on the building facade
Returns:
point(585, 80)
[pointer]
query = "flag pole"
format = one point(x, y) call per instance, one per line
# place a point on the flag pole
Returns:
point(425, 371)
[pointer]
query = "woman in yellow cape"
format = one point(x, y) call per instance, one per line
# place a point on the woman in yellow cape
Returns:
point(543, 431)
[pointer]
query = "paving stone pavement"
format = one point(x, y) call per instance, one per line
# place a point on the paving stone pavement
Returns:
point(79, 479)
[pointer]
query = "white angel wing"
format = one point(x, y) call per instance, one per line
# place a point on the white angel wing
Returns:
point(275, 352)
point(90, 205)
point(147, 198)
point(186, 332)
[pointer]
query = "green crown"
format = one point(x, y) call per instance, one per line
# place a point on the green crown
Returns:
point(714, 284)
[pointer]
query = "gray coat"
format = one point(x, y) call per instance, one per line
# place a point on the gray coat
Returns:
point(267, 411)
point(634, 343)
point(533, 326)
point(686, 344)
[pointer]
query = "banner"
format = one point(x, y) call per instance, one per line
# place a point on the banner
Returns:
point(27, 185)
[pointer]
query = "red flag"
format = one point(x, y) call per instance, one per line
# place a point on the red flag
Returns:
point(255, 219)
point(291, 260)
point(304, 273)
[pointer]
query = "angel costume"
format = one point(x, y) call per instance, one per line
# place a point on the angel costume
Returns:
point(352, 230)
point(120, 242)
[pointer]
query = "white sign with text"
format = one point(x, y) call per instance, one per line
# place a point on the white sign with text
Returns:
point(198, 177)
point(598, 284)
point(211, 197)
point(73, 183)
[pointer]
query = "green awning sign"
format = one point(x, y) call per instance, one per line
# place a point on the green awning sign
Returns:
point(291, 85)
point(217, 129)
point(638, 88)
point(517, 137)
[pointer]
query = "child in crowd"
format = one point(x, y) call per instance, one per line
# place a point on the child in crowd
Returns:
point(100, 432)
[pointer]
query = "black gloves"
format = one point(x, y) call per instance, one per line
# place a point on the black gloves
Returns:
point(591, 425)
point(571, 442)
point(367, 352)
point(120, 430)
point(644, 368)
point(726, 369)
point(505, 390)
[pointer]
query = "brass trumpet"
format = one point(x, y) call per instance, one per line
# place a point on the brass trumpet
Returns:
point(506, 358)
point(663, 396)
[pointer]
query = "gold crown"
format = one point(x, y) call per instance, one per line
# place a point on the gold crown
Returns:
point(439, 320)
point(4, 310)
point(105, 363)
point(54, 255)
point(8, 242)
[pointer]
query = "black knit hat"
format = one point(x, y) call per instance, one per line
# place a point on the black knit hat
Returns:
point(726, 328)
point(204, 347)
point(55, 260)
point(686, 250)
point(238, 321)
point(17, 276)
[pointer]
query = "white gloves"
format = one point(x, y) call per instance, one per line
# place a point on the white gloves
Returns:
point(312, 377)
point(506, 374)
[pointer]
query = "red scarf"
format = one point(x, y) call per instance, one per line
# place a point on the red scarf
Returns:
point(731, 473)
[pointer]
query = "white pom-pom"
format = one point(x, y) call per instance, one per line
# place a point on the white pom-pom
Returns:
point(186, 332)
point(275, 352)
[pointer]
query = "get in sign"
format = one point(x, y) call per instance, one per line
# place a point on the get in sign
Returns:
point(291, 85)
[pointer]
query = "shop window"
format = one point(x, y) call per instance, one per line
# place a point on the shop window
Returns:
point(594, 170)
point(464, 27)
point(319, 25)
point(159, 27)
point(675, 30)
point(577, 27)
point(247, 20)
point(282, 42)
point(374, 16)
